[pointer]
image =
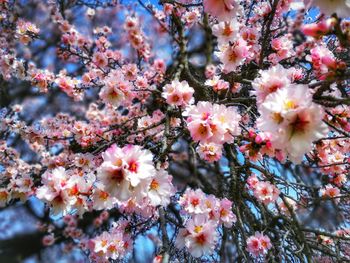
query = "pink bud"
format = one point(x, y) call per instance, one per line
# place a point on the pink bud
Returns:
point(258, 139)
point(268, 144)
point(251, 134)
point(48, 240)
point(243, 148)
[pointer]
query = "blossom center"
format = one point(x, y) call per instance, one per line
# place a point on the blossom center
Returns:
point(277, 117)
point(227, 30)
point(232, 56)
point(202, 129)
point(133, 166)
point(103, 195)
point(201, 239)
point(117, 175)
point(154, 185)
point(290, 105)
point(198, 229)
point(195, 201)
point(300, 124)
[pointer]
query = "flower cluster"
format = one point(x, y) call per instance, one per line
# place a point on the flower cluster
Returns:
point(333, 157)
point(233, 55)
point(128, 175)
point(111, 245)
point(258, 145)
point(147, 121)
point(283, 47)
point(270, 88)
point(259, 244)
point(270, 81)
point(178, 93)
point(340, 117)
point(137, 37)
point(325, 64)
point(64, 191)
point(26, 31)
point(218, 84)
point(330, 191)
point(200, 236)
point(116, 89)
point(212, 123)
point(265, 192)
point(16, 180)
point(294, 120)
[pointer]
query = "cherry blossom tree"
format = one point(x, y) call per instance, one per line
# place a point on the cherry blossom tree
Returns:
point(175, 130)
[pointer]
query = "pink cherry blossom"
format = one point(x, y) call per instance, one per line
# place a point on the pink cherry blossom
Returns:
point(199, 236)
point(269, 81)
point(258, 244)
point(226, 31)
point(210, 152)
point(212, 122)
point(56, 191)
point(124, 169)
point(286, 205)
point(233, 55)
point(193, 201)
point(48, 240)
point(293, 120)
point(330, 191)
point(227, 217)
point(160, 189)
point(266, 192)
point(218, 84)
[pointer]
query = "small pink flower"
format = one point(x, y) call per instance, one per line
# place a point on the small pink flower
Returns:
point(266, 192)
point(199, 236)
point(270, 81)
point(226, 216)
point(210, 71)
point(125, 170)
point(330, 191)
point(193, 201)
point(252, 181)
point(100, 60)
point(168, 8)
point(218, 84)
point(159, 65)
point(130, 71)
point(226, 31)
point(210, 152)
point(48, 240)
point(233, 55)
